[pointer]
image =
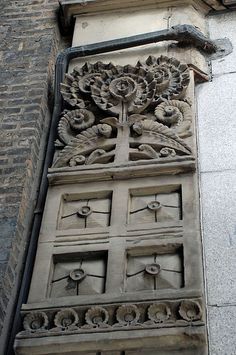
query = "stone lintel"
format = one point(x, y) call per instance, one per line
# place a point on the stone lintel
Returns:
point(72, 8)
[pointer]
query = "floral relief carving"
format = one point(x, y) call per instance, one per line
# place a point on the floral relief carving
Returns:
point(171, 76)
point(159, 312)
point(163, 142)
point(66, 319)
point(35, 322)
point(74, 121)
point(128, 90)
point(190, 311)
point(142, 105)
point(127, 315)
point(96, 317)
point(138, 316)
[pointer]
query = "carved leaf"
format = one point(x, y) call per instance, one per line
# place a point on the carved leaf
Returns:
point(156, 133)
point(86, 141)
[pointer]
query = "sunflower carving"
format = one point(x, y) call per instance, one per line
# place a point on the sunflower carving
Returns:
point(143, 104)
point(171, 76)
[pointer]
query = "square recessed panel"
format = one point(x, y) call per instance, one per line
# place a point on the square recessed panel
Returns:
point(155, 207)
point(82, 275)
point(85, 212)
point(156, 271)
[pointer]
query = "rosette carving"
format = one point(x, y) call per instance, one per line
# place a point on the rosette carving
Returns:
point(35, 321)
point(85, 76)
point(73, 122)
point(79, 82)
point(159, 312)
point(66, 319)
point(127, 314)
point(172, 77)
point(190, 311)
point(128, 88)
point(176, 115)
point(97, 316)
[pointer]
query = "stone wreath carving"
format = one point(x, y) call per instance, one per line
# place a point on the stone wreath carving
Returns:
point(142, 106)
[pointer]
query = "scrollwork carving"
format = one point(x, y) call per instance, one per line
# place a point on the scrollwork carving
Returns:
point(83, 144)
point(177, 115)
point(73, 122)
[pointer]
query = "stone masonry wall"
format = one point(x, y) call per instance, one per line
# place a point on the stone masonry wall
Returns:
point(29, 44)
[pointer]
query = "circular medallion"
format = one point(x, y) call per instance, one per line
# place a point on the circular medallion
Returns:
point(154, 205)
point(84, 211)
point(123, 88)
point(153, 269)
point(77, 274)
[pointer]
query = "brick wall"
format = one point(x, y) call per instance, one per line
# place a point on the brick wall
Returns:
point(29, 44)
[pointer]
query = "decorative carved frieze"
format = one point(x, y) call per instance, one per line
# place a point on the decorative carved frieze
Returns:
point(164, 314)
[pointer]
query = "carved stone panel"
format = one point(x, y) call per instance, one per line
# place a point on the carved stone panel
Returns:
point(85, 275)
point(159, 270)
point(115, 114)
point(155, 208)
point(90, 212)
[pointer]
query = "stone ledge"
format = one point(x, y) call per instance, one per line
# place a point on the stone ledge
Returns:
point(183, 337)
point(72, 8)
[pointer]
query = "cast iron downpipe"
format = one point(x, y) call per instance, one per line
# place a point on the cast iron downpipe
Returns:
point(184, 35)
